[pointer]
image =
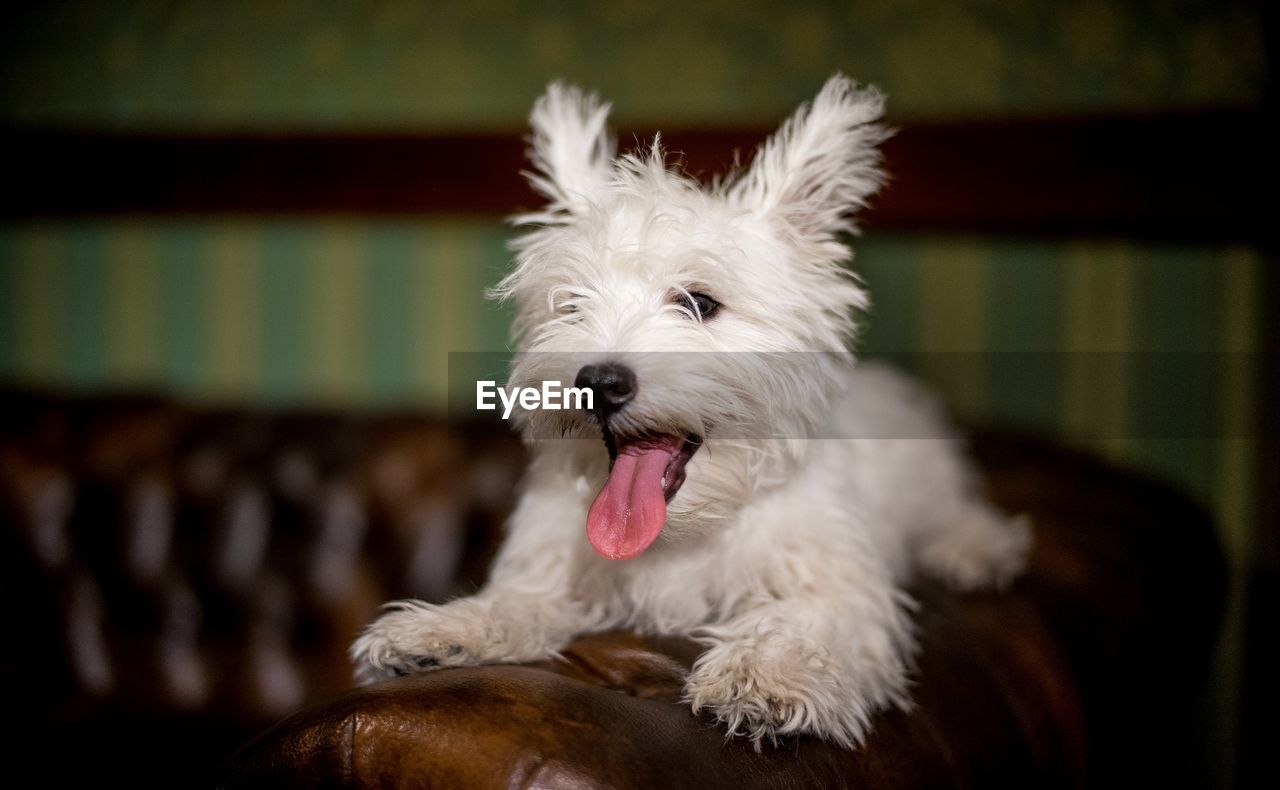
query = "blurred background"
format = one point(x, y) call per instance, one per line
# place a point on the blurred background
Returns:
point(255, 207)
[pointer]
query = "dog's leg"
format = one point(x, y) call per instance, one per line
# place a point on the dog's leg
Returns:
point(980, 547)
point(814, 664)
point(524, 613)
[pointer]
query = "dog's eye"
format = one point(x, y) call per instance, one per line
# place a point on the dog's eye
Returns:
point(699, 304)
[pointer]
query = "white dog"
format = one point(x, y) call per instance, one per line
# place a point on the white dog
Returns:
point(761, 497)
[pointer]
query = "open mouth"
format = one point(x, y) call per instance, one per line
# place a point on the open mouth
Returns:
point(644, 474)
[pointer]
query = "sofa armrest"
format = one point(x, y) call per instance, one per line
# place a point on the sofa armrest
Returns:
point(1083, 669)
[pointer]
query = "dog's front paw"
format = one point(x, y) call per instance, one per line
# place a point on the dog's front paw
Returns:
point(419, 637)
point(764, 696)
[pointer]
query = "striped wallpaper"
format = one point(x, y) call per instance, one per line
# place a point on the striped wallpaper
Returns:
point(1120, 322)
point(364, 314)
point(335, 312)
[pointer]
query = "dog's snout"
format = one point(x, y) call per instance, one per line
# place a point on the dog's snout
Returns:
point(612, 386)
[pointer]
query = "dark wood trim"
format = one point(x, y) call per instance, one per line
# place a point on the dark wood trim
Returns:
point(1185, 176)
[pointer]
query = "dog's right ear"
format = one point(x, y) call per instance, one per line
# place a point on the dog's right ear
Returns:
point(822, 165)
point(571, 150)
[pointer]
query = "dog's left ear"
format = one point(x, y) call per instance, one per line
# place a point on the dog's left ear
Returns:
point(820, 167)
point(571, 150)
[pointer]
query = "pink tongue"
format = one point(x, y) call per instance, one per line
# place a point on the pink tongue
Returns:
point(629, 511)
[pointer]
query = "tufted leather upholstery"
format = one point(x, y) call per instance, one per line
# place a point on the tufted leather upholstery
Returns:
point(183, 577)
point(177, 578)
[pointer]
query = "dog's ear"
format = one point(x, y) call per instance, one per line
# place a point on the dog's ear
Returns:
point(570, 147)
point(822, 165)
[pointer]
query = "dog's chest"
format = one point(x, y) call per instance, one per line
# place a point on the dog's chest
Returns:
point(674, 589)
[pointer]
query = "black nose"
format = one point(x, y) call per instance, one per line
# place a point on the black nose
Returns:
point(612, 386)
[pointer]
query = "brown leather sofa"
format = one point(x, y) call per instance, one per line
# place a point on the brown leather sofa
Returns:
point(178, 578)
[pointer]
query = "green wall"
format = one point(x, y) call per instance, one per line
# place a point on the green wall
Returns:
point(334, 312)
point(415, 64)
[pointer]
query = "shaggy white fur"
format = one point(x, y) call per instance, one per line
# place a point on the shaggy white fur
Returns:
point(784, 550)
